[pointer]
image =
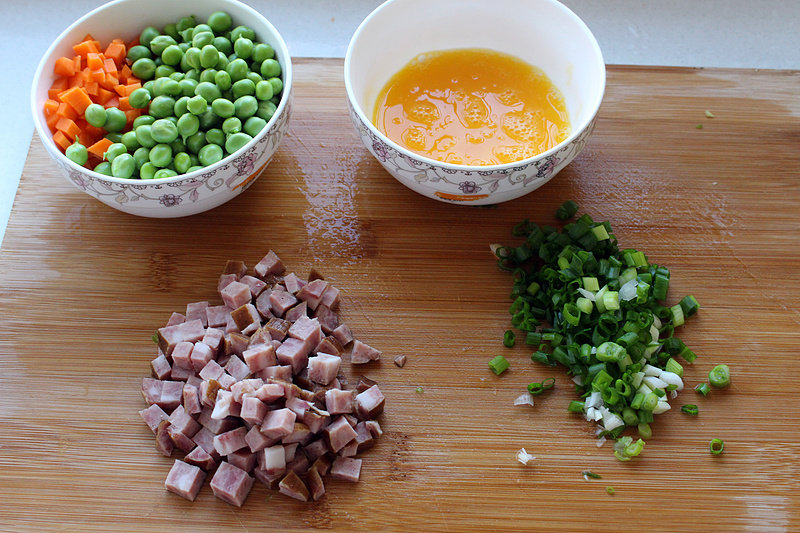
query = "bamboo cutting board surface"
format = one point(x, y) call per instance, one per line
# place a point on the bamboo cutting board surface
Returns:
point(83, 287)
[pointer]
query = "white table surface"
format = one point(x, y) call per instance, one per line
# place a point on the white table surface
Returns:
point(708, 33)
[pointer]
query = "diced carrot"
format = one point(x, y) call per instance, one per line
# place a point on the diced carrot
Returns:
point(77, 97)
point(98, 75)
point(61, 140)
point(109, 65)
point(64, 66)
point(78, 63)
point(69, 128)
point(93, 131)
point(124, 105)
point(116, 51)
point(126, 75)
point(126, 90)
point(112, 102)
point(51, 121)
point(103, 96)
point(66, 111)
point(132, 115)
point(94, 61)
point(91, 87)
point(109, 82)
point(50, 107)
point(100, 147)
point(86, 47)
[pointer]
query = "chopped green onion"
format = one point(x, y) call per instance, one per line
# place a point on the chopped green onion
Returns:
point(589, 473)
point(690, 409)
point(644, 430)
point(677, 315)
point(720, 376)
point(689, 305)
point(536, 388)
point(576, 406)
point(155, 338)
point(498, 365)
point(610, 490)
point(567, 210)
point(419, 390)
point(702, 388)
point(699, 126)
point(709, 114)
point(674, 367)
point(508, 339)
point(716, 446)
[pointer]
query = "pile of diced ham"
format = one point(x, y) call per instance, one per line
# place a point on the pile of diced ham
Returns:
point(252, 389)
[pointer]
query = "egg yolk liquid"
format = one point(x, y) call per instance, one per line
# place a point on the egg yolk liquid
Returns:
point(472, 107)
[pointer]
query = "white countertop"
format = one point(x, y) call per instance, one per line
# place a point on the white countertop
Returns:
point(707, 33)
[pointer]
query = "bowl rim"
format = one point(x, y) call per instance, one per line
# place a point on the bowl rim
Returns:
point(574, 134)
point(47, 137)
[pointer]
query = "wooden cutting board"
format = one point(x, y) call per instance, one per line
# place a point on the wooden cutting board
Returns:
point(83, 287)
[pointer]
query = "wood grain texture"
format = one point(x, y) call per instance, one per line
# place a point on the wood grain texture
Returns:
point(82, 288)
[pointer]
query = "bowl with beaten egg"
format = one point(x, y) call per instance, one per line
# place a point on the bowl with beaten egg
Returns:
point(474, 102)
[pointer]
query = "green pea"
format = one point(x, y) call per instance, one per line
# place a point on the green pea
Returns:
point(164, 131)
point(242, 31)
point(114, 137)
point(171, 30)
point(236, 142)
point(262, 52)
point(159, 43)
point(177, 145)
point(171, 87)
point(95, 114)
point(192, 56)
point(194, 168)
point(188, 125)
point(139, 99)
point(222, 60)
point(276, 100)
point(210, 154)
point(197, 105)
point(116, 120)
point(188, 86)
point(130, 142)
point(103, 168)
point(209, 119)
point(238, 69)
point(114, 150)
point(141, 156)
point(186, 23)
point(76, 152)
point(144, 68)
point(255, 77)
point(208, 75)
point(223, 80)
point(195, 142)
point(266, 109)
point(137, 52)
point(147, 171)
point(223, 45)
point(231, 125)
point(182, 162)
point(172, 55)
point(144, 136)
point(215, 136)
point(270, 68)
point(158, 61)
point(243, 47)
point(142, 120)
point(243, 88)
point(165, 173)
point(164, 87)
point(163, 71)
point(123, 166)
point(219, 21)
point(253, 125)
point(186, 35)
point(172, 119)
point(200, 28)
point(162, 106)
point(192, 74)
point(147, 35)
point(209, 56)
point(161, 155)
point(277, 85)
point(184, 46)
point(149, 84)
point(202, 38)
point(180, 107)
point(177, 76)
point(246, 106)
point(223, 108)
point(208, 90)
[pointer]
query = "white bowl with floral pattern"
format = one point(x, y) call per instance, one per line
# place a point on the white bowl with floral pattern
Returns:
point(186, 194)
point(543, 33)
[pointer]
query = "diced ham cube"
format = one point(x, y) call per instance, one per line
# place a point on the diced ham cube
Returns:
point(231, 327)
point(201, 355)
point(213, 339)
point(151, 390)
point(256, 440)
point(236, 368)
point(197, 311)
point(236, 343)
point(270, 481)
point(349, 449)
point(181, 441)
point(171, 395)
point(292, 486)
point(263, 304)
point(307, 330)
point(253, 410)
point(176, 318)
point(225, 406)
point(299, 434)
point(316, 419)
point(260, 357)
point(296, 312)
point(293, 352)
point(160, 367)
point(330, 298)
point(225, 280)
point(272, 459)
point(153, 416)
point(270, 264)
point(230, 441)
point(339, 402)
point(179, 373)
point(293, 283)
point(244, 459)
point(280, 302)
point(291, 451)
point(281, 372)
point(322, 465)
point(183, 422)
point(374, 428)
point(346, 468)
point(364, 439)
point(363, 353)
point(299, 464)
point(247, 318)
point(236, 294)
point(201, 459)
point(370, 403)
point(245, 388)
point(278, 328)
point(182, 353)
point(191, 399)
point(338, 433)
point(312, 292)
point(256, 285)
point(208, 392)
point(278, 423)
point(298, 406)
point(205, 440)
point(231, 484)
point(170, 336)
point(164, 444)
point(269, 392)
point(343, 334)
point(328, 319)
point(226, 381)
point(185, 480)
point(217, 315)
point(237, 268)
point(212, 370)
point(330, 346)
point(315, 449)
point(315, 485)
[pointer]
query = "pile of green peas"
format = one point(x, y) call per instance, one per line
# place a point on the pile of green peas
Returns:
point(209, 88)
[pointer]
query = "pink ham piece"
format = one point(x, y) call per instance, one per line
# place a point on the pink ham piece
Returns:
point(272, 460)
point(225, 406)
point(247, 318)
point(236, 368)
point(263, 304)
point(160, 367)
point(328, 319)
point(259, 357)
point(338, 433)
point(307, 330)
point(225, 280)
point(278, 328)
point(343, 334)
point(322, 465)
point(278, 423)
point(236, 294)
point(364, 439)
point(164, 444)
point(231, 484)
point(339, 402)
point(281, 372)
point(281, 301)
point(315, 449)
point(370, 403)
point(316, 419)
point(269, 392)
point(270, 264)
point(346, 468)
point(253, 410)
point(179, 373)
point(237, 268)
point(256, 285)
point(330, 346)
point(244, 459)
point(183, 422)
point(170, 336)
point(212, 370)
point(205, 440)
point(230, 441)
point(293, 486)
point(245, 388)
point(191, 399)
point(299, 464)
point(217, 315)
point(315, 485)
point(300, 434)
point(330, 298)
point(185, 480)
point(175, 318)
point(201, 355)
point(293, 352)
point(226, 381)
point(151, 390)
point(374, 428)
point(213, 339)
point(363, 353)
point(349, 449)
point(171, 395)
point(298, 406)
point(182, 354)
point(293, 283)
point(197, 311)
point(153, 416)
point(256, 440)
point(323, 368)
point(299, 310)
point(235, 344)
point(181, 441)
point(201, 459)
point(312, 292)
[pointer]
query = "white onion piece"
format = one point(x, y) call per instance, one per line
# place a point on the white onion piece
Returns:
point(577, 380)
point(650, 370)
point(671, 378)
point(593, 400)
point(654, 382)
point(524, 457)
point(628, 291)
point(524, 399)
point(673, 394)
point(589, 295)
point(657, 322)
point(601, 441)
point(661, 407)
